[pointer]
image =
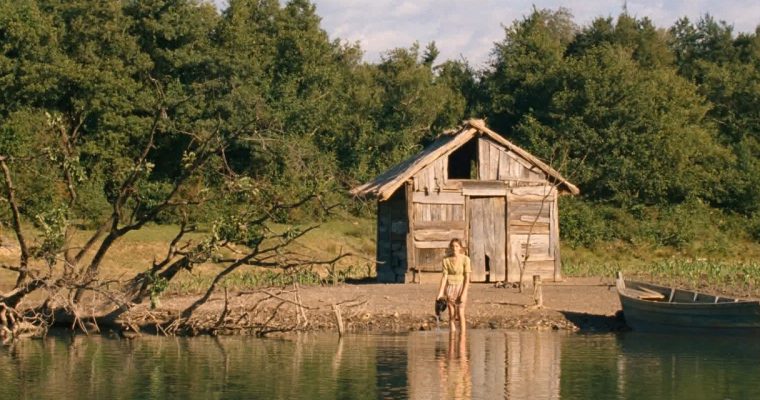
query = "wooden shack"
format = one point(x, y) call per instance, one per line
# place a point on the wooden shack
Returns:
point(474, 185)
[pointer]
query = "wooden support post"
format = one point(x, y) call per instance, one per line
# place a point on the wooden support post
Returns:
point(538, 294)
point(416, 275)
point(339, 319)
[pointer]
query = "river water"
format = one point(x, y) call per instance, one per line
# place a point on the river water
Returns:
point(484, 364)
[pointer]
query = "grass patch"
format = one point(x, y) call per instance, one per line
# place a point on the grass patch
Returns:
point(136, 251)
point(734, 278)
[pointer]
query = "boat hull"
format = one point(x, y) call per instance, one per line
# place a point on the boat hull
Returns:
point(643, 315)
point(659, 308)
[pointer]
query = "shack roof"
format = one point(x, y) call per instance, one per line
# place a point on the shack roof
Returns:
point(385, 184)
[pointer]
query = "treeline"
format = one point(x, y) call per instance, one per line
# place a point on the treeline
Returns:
point(659, 127)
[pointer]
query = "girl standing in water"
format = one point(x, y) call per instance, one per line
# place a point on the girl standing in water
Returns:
point(455, 282)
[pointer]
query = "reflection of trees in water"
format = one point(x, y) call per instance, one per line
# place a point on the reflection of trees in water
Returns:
point(424, 365)
point(193, 368)
point(694, 367)
point(635, 366)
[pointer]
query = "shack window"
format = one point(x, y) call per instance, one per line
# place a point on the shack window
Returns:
point(463, 162)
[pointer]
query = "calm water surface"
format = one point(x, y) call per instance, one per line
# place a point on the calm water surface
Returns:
point(425, 365)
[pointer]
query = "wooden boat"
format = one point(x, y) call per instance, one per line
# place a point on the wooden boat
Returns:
point(649, 307)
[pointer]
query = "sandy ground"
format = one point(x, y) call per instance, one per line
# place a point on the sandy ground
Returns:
point(585, 304)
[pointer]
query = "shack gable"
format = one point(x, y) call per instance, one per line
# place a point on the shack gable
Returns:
point(481, 158)
point(496, 159)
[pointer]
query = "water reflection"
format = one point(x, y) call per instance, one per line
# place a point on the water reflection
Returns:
point(478, 364)
point(485, 364)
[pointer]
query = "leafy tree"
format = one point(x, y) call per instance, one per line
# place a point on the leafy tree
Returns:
point(126, 113)
point(649, 45)
point(524, 69)
point(629, 135)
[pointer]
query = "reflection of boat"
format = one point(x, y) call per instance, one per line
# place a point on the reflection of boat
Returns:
point(652, 307)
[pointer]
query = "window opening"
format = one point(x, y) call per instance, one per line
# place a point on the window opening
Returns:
point(463, 162)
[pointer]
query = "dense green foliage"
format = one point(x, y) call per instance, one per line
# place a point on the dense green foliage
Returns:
point(660, 128)
point(657, 127)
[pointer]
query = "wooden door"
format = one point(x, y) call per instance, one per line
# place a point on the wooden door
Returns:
point(487, 238)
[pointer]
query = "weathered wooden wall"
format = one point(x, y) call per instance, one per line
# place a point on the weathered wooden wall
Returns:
point(509, 211)
point(431, 178)
point(438, 218)
point(532, 223)
point(392, 228)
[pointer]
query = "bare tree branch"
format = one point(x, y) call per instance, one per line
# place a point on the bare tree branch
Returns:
point(10, 195)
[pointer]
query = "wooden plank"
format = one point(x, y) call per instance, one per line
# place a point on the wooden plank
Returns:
point(438, 173)
point(509, 264)
point(419, 181)
point(422, 212)
point(453, 185)
point(445, 162)
point(467, 222)
point(503, 173)
point(438, 198)
point(525, 164)
point(483, 149)
point(533, 209)
point(543, 190)
point(438, 212)
point(480, 188)
point(410, 227)
point(528, 198)
point(493, 162)
point(431, 244)
point(554, 226)
point(456, 225)
point(473, 185)
point(485, 192)
point(428, 183)
point(533, 220)
point(431, 176)
point(477, 240)
point(644, 294)
point(522, 218)
point(498, 262)
point(525, 173)
point(430, 260)
point(438, 234)
point(538, 243)
point(514, 167)
point(538, 229)
point(537, 175)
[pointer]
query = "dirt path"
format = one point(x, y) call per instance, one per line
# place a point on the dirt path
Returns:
point(588, 304)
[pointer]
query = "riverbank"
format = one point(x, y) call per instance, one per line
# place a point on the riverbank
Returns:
point(576, 304)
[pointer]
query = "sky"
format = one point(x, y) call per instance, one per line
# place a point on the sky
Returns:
point(469, 28)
